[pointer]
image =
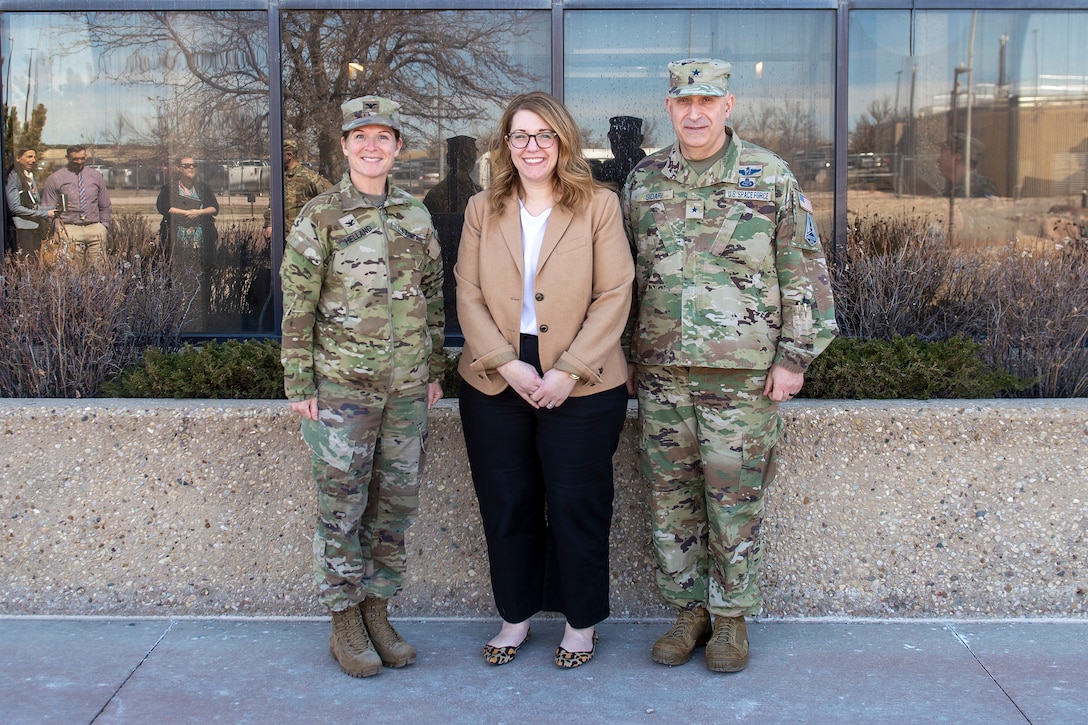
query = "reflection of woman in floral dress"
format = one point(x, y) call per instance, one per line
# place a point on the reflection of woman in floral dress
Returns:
point(188, 232)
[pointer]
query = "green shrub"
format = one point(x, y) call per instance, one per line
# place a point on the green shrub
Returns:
point(232, 369)
point(906, 367)
point(243, 370)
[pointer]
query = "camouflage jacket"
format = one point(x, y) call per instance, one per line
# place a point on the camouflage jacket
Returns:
point(729, 268)
point(299, 186)
point(362, 294)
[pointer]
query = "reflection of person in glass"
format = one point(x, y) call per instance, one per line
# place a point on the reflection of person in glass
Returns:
point(362, 359)
point(954, 163)
point(300, 184)
point(447, 202)
point(451, 194)
point(543, 293)
point(188, 209)
point(734, 304)
point(30, 218)
point(83, 205)
point(625, 137)
point(187, 231)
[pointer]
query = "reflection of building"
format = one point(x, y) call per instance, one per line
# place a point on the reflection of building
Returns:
point(1035, 147)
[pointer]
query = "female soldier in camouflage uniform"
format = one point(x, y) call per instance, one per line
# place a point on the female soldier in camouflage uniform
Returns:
point(362, 357)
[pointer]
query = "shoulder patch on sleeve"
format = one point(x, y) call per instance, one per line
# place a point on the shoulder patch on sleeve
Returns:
point(811, 237)
point(303, 239)
point(804, 202)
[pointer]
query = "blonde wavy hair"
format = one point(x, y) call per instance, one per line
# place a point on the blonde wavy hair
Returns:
point(573, 183)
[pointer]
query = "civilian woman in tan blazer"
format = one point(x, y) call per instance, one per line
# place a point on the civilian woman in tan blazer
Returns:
point(544, 281)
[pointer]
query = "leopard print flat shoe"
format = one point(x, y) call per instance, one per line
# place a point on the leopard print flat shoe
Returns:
point(502, 655)
point(570, 660)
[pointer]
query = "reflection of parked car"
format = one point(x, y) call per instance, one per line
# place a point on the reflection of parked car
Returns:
point(104, 170)
point(249, 175)
point(869, 171)
point(213, 173)
point(135, 175)
point(867, 160)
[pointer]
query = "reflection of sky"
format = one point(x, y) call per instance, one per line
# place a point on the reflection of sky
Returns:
point(1045, 54)
point(81, 105)
point(616, 62)
point(84, 106)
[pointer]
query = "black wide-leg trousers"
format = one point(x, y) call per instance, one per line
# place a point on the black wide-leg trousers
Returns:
point(544, 483)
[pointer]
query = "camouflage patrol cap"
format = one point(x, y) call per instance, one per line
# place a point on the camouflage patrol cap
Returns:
point(370, 110)
point(699, 77)
point(290, 145)
point(625, 124)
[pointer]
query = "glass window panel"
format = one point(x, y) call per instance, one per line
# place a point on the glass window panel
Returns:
point(140, 91)
point(452, 72)
point(1018, 84)
point(783, 79)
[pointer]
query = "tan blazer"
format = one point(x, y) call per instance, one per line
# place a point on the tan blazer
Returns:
point(584, 283)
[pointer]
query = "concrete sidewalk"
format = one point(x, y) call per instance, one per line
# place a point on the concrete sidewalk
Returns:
point(92, 670)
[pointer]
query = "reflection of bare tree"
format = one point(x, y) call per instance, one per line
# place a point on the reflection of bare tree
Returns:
point(788, 129)
point(211, 67)
point(438, 65)
point(116, 133)
point(871, 127)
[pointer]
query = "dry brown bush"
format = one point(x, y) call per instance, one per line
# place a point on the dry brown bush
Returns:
point(1038, 318)
point(66, 328)
point(897, 276)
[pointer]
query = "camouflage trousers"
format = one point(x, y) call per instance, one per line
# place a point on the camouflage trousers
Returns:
point(707, 446)
point(368, 450)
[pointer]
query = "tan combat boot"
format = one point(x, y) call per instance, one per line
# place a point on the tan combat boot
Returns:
point(727, 650)
point(392, 648)
point(676, 646)
point(350, 645)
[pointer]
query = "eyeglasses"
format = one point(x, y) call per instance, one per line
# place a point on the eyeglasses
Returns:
point(544, 139)
point(187, 166)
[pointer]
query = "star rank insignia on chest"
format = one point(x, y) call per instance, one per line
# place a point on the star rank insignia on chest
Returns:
point(694, 210)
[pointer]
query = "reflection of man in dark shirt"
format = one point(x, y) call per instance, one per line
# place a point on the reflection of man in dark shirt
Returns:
point(625, 136)
point(447, 202)
point(954, 163)
point(453, 192)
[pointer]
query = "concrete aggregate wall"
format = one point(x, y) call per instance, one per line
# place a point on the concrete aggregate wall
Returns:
point(881, 509)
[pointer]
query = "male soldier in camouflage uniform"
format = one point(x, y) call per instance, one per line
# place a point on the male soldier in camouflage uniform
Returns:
point(300, 184)
point(957, 162)
point(733, 304)
point(362, 357)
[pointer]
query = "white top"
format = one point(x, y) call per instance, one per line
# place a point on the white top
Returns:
point(532, 236)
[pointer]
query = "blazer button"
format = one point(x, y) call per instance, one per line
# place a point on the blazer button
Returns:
point(543, 328)
point(539, 297)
